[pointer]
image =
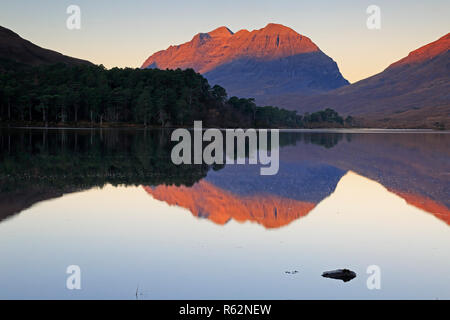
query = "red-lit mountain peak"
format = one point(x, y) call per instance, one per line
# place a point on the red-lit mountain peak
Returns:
point(426, 52)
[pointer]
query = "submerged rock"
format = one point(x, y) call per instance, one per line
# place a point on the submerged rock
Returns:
point(340, 274)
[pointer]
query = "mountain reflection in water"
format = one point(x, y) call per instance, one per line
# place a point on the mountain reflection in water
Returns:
point(38, 165)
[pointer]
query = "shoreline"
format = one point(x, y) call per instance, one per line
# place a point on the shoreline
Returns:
point(311, 130)
point(117, 125)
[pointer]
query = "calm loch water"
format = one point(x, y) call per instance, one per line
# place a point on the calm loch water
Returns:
point(112, 203)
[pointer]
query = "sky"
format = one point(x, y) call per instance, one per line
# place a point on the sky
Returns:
point(125, 33)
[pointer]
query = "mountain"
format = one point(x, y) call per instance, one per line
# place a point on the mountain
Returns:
point(270, 61)
point(412, 92)
point(14, 48)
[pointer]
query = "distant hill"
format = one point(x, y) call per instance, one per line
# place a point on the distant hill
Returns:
point(414, 91)
point(270, 61)
point(14, 48)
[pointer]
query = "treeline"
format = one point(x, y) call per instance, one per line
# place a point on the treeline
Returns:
point(92, 95)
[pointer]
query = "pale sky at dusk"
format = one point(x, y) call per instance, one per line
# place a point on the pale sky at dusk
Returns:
point(125, 33)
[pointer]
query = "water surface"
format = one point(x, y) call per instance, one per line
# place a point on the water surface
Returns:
point(111, 202)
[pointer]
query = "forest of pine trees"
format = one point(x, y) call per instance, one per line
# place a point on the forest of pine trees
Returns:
point(64, 95)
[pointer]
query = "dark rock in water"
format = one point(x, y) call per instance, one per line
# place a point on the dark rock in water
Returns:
point(340, 274)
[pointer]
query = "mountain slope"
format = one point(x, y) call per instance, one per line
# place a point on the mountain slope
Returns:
point(14, 48)
point(205, 200)
point(412, 91)
point(271, 60)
